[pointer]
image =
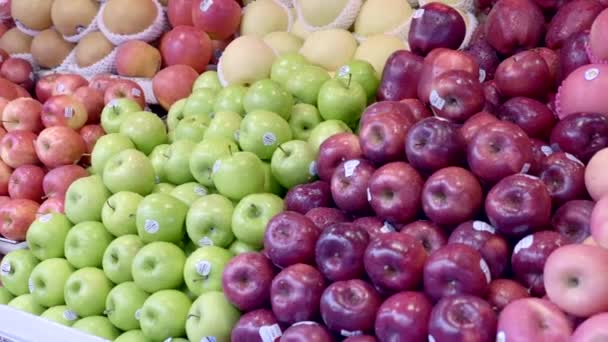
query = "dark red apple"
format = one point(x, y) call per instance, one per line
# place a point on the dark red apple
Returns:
point(418, 109)
point(408, 110)
point(581, 134)
point(524, 74)
point(339, 251)
point(304, 197)
point(474, 124)
point(349, 185)
point(493, 96)
point(290, 238)
point(400, 76)
point(335, 150)
point(540, 150)
point(361, 338)
point(572, 220)
point(404, 316)
point(246, 281)
point(374, 225)
point(572, 18)
point(324, 217)
point(462, 318)
point(436, 25)
point(255, 326)
point(573, 53)
point(534, 117)
point(486, 57)
point(306, 332)
point(564, 176)
point(382, 138)
point(551, 57)
point(429, 234)
point(456, 96)
point(501, 292)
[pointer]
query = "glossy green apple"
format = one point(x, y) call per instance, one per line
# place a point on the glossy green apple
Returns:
point(122, 304)
point(129, 170)
point(262, 131)
point(204, 156)
point(146, 130)
point(239, 247)
point(46, 236)
point(203, 269)
point(268, 95)
point(158, 266)
point(325, 130)
point(15, 270)
point(285, 65)
point(363, 73)
point(163, 188)
point(208, 79)
point(5, 296)
point(342, 100)
point(161, 217)
point(191, 128)
point(106, 147)
point(60, 314)
point(305, 82)
point(116, 112)
point(200, 103)
point(211, 315)
point(118, 258)
point(251, 216)
point(293, 163)
point(177, 166)
point(118, 213)
point(97, 326)
point(175, 114)
point(189, 192)
point(189, 248)
point(224, 125)
point(86, 291)
point(158, 158)
point(228, 169)
point(47, 281)
point(271, 185)
point(85, 199)
point(209, 221)
point(164, 315)
point(230, 99)
point(27, 304)
point(304, 118)
point(86, 243)
point(133, 336)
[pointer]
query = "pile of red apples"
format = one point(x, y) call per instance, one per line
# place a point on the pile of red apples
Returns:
point(464, 209)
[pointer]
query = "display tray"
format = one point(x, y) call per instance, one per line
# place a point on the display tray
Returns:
point(7, 246)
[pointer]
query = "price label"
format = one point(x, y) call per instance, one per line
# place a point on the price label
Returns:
point(501, 337)
point(269, 333)
point(30, 285)
point(525, 168)
point(350, 167)
point(312, 168)
point(269, 139)
point(151, 226)
point(204, 242)
point(482, 75)
point(156, 180)
point(68, 112)
point(344, 71)
point(529, 176)
point(204, 7)
point(45, 218)
point(431, 338)
point(203, 268)
point(369, 195)
point(5, 268)
point(546, 150)
point(387, 228)
point(237, 133)
point(70, 315)
point(135, 92)
point(60, 88)
point(216, 166)
point(418, 13)
point(347, 333)
point(209, 339)
point(436, 100)
point(199, 190)
point(592, 74)
point(138, 314)
point(524, 243)
point(481, 226)
point(305, 323)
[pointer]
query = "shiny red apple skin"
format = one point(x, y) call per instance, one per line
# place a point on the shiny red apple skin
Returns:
point(400, 76)
point(533, 319)
point(432, 144)
point(349, 185)
point(573, 53)
point(463, 318)
point(173, 83)
point(26, 182)
point(431, 236)
point(17, 148)
point(514, 25)
point(22, 114)
point(248, 328)
point(350, 306)
point(307, 332)
point(90, 134)
point(382, 138)
point(573, 220)
point(407, 110)
point(5, 174)
point(304, 197)
point(295, 293)
point(540, 151)
point(474, 124)
point(18, 71)
point(486, 57)
point(59, 145)
point(219, 18)
point(44, 87)
point(186, 45)
point(324, 217)
point(439, 26)
point(501, 292)
point(335, 150)
point(101, 82)
point(462, 96)
point(534, 117)
point(594, 328)
point(493, 96)
point(572, 18)
point(339, 251)
point(290, 238)
point(404, 315)
point(93, 102)
point(63, 110)
point(374, 225)
point(247, 279)
point(455, 269)
point(564, 176)
point(52, 205)
point(581, 134)
point(499, 149)
point(123, 88)
point(418, 109)
point(179, 12)
point(524, 74)
point(16, 216)
point(551, 58)
point(57, 181)
point(67, 84)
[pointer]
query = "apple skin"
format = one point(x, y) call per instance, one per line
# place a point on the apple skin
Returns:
point(564, 176)
point(17, 148)
point(22, 114)
point(474, 124)
point(523, 74)
point(573, 220)
point(408, 110)
point(67, 84)
point(335, 150)
point(463, 318)
point(494, 97)
point(5, 174)
point(59, 145)
point(382, 138)
point(44, 87)
point(290, 238)
point(570, 19)
point(400, 76)
point(429, 234)
point(52, 205)
point(416, 108)
point(439, 26)
point(573, 53)
point(462, 94)
point(246, 281)
point(101, 82)
point(86, 290)
point(521, 319)
point(179, 12)
point(249, 327)
point(92, 99)
point(339, 251)
point(361, 338)
point(16, 217)
point(125, 88)
point(18, 71)
point(324, 217)
point(186, 45)
point(374, 225)
point(158, 266)
point(501, 292)
point(304, 197)
point(486, 57)
point(592, 329)
point(349, 185)
point(404, 314)
point(534, 117)
point(220, 19)
point(63, 110)
point(307, 331)
point(26, 182)
point(295, 293)
point(20, 264)
point(173, 83)
point(581, 134)
point(455, 269)
point(167, 212)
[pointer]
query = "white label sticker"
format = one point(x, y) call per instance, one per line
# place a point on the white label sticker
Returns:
point(312, 168)
point(169, 339)
point(369, 195)
point(350, 167)
point(431, 338)
point(482, 75)
point(269, 333)
point(135, 92)
point(529, 176)
point(269, 139)
point(70, 315)
point(347, 333)
point(237, 134)
point(156, 180)
point(205, 242)
point(151, 226)
point(501, 337)
point(486, 270)
point(30, 285)
point(60, 88)
point(387, 228)
point(574, 159)
point(523, 243)
point(436, 100)
point(209, 339)
point(5, 268)
point(344, 71)
point(546, 150)
point(418, 13)
point(525, 168)
point(305, 323)
point(205, 5)
point(199, 190)
point(592, 74)
point(138, 314)
point(68, 112)
point(216, 166)
point(45, 218)
point(481, 226)
point(203, 268)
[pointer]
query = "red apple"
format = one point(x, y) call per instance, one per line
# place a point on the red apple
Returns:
point(374, 225)
point(534, 117)
point(307, 331)
point(349, 185)
point(17, 148)
point(173, 83)
point(572, 18)
point(581, 134)
point(52, 205)
point(573, 53)
point(429, 234)
point(564, 176)
point(400, 76)
point(457, 95)
point(524, 74)
point(474, 124)
point(22, 114)
point(493, 96)
point(594, 328)
point(290, 238)
point(57, 181)
point(405, 110)
point(180, 12)
point(67, 84)
point(26, 182)
point(382, 137)
point(334, 150)
point(122, 88)
point(219, 18)
point(533, 319)
point(462, 318)
point(254, 325)
point(418, 110)
point(404, 315)
point(101, 82)
point(8, 89)
point(5, 174)
point(18, 71)
point(304, 197)
point(573, 220)
point(486, 57)
point(339, 251)
point(92, 100)
point(16, 217)
point(45, 87)
point(59, 145)
point(551, 57)
point(501, 292)
point(90, 134)
point(64, 110)
point(436, 25)
point(324, 217)
point(246, 280)
point(186, 45)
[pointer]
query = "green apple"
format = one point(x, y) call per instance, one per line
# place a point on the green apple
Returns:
point(129, 170)
point(163, 188)
point(203, 269)
point(341, 99)
point(204, 156)
point(363, 73)
point(170, 136)
point(239, 247)
point(268, 95)
point(118, 258)
point(118, 213)
point(116, 112)
point(177, 166)
point(325, 130)
point(175, 114)
point(46, 236)
point(85, 199)
point(123, 303)
point(86, 290)
point(161, 217)
point(133, 336)
point(164, 315)
point(27, 304)
point(305, 82)
point(224, 125)
point(189, 248)
point(15, 271)
point(60, 314)
point(200, 103)
point(230, 168)
point(158, 158)
point(211, 315)
point(106, 147)
point(262, 131)
point(285, 65)
point(293, 163)
point(208, 79)
point(304, 118)
point(97, 326)
point(5, 296)
point(146, 130)
point(86, 243)
point(191, 128)
point(189, 192)
point(230, 99)
point(158, 266)
point(271, 185)
point(251, 216)
point(209, 221)
point(47, 281)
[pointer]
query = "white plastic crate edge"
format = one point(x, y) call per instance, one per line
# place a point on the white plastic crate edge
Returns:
point(19, 326)
point(7, 246)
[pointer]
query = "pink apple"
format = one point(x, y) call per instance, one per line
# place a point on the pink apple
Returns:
point(59, 145)
point(67, 84)
point(17, 148)
point(57, 181)
point(595, 180)
point(90, 134)
point(186, 45)
point(64, 110)
point(599, 222)
point(45, 87)
point(180, 12)
point(533, 319)
point(93, 102)
point(52, 205)
point(594, 328)
point(18, 71)
point(16, 217)
point(101, 82)
point(173, 83)
point(26, 182)
point(219, 18)
point(5, 174)
point(122, 88)
point(22, 114)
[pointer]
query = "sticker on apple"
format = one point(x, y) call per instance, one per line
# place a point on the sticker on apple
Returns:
point(529, 176)
point(269, 139)
point(350, 167)
point(269, 333)
point(369, 195)
point(312, 168)
point(30, 285)
point(156, 180)
point(525, 168)
point(592, 74)
point(5, 269)
point(237, 133)
point(574, 159)
point(501, 336)
point(136, 92)
point(205, 5)
point(387, 228)
point(305, 323)
point(203, 268)
point(70, 315)
point(199, 190)
point(114, 104)
point(209, 339)
point(60, 88)
point(418, 13)
point(45, 218)
point(486, 270)
point(151, 226)
point(216, 166)
point(523, 244)
point(482, 75)
point(32, 76)
point(347, 333)
point(344, 71)
point(431, 338)
point(68, 112)
point(205, 242)
point(436, 100)
point(481, 226)
point(546, 150)
point(138, 314)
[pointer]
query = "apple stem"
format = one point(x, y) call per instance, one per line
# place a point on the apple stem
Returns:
point(230, 150)
point(109, 205)
point(46, 196)
point(202, 278)
point(281, 148)
point(350, 78)
point(86, 154)
point(192, 315)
